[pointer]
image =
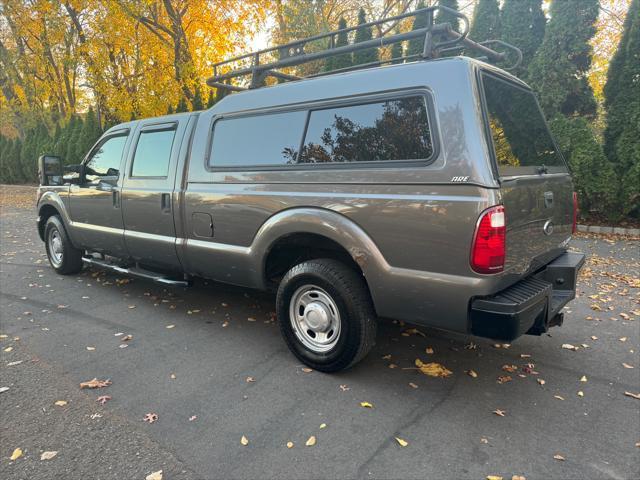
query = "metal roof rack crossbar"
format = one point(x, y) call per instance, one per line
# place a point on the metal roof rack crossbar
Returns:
point(439, 38)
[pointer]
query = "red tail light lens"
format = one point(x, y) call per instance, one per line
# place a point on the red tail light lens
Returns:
point(575, 213)
point(488, 250)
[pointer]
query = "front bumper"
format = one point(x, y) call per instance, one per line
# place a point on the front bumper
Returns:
point(530, 306)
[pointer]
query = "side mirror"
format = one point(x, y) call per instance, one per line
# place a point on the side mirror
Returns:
point(50, 170)
point(77, 172)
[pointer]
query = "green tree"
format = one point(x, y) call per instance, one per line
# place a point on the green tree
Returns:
point(344, 59)
point(622, 101)
point(443, 16)
point(211, 99)
point(362, 35)
point(182, 106)
point(559, 68)
point(197, 103)
point(90, 133)
point(13, 162)
point(416, 45)
point(397, 50)
point(593, 174)
point(170, 110)
point(73, 154)
point(522, 24)
point(486, 21)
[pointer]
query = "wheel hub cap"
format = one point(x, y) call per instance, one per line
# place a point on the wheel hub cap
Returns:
point(315, 318)
point(55, 248)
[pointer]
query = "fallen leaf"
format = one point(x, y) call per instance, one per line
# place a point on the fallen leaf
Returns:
point(500, 413)
point(581, 393)
point(323, 425)
point(366, 405)
point(344, 388)
point(633, 395)
point(393, 365)
point(583, 378)
point(8, 349)
point(126, 338)
point(558, 397)
point(311, 442)
point(307, 370)
point(60, 403)
point(95, 383)
point(251, 319)
point(623, 339)
point(494, 477)
point(525, 355)
point(150, 417)
point(123, 345)
point(131, 307)
point(433, 369)
point(17, 453)
point(568, 346)
point(3, 389)
point(250, 380)
point(429, 351)
point(558, 457)
point(626, 365)
point(102, 399)
point(13, 364)
point(48, 455)
point(518, 477)
point(387, 357)
point(510, 368)
point(172, 376)
point(289, 444)
point(403, 443)
point(244, 441)
point(593, 337)
point(540, 381)
point(484, 440)
point(192, 418)
point(91, 349)
point(624, 316)
point(154, 476)
point(118, 334)
point(504, 379)
point(169, 326)
point(414, 331)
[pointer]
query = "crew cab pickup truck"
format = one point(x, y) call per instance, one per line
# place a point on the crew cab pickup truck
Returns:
point(429, 192)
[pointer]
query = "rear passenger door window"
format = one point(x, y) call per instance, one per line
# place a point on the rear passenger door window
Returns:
point(390, 130)
point(153, 153)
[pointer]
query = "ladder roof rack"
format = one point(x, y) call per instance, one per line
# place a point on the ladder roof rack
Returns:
point(252, 69)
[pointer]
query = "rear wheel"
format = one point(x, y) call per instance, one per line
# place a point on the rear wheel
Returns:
point(63, 256)
point(326, 315)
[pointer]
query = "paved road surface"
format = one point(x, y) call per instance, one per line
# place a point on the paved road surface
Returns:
point(195, 377)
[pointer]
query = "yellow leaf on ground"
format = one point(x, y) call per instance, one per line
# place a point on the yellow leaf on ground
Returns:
point(17, 453)
point(154, 476)
point(95, 383)
point(581, 393)
point(8, 349)
point(60, 403)
point(633, 395)
point(289, 444)
point(366, 405)
point(48, 455)
point(403, 443)
point(626, 365)
point(472, 373)
point(244, 441)
point(323, 425)
point(311, 442)
point(494, 477)
point(500, 413)
point(568, 346)
point(558, 397)
point(433, 369)
point(583, 378)
point(557, 456)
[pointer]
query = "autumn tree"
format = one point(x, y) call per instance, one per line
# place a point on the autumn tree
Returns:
point(522, 24)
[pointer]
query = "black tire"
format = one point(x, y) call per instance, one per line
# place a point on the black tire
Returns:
point(70, 260)
point(349, 294)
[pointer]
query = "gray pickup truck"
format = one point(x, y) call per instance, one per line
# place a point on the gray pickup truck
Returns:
point(428, 191)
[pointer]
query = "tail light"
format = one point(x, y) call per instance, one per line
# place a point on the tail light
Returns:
point(488, 250)
point(574, 227)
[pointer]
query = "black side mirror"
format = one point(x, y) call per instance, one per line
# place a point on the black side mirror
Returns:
point(50, 170)
point(78, 169)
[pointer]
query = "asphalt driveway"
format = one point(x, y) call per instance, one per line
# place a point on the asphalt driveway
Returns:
point(210, 363)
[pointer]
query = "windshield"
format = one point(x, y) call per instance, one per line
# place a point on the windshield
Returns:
point(522, 142)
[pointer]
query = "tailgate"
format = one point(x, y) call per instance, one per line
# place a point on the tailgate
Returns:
point(536, 187)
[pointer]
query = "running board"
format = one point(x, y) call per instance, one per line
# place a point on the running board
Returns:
point(136, 272)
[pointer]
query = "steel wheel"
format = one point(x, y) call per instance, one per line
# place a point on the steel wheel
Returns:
point(56, 248)
point(315, 318)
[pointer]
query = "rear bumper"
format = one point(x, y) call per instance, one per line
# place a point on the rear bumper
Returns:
point(530, 306)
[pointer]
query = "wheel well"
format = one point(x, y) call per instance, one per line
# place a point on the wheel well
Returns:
point(293, 249)
point(45, 213)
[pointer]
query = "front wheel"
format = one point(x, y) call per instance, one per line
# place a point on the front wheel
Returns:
point(63, 256)
point(326, 315)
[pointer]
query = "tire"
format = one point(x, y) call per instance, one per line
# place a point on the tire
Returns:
point(326, 315)
point(64, 258)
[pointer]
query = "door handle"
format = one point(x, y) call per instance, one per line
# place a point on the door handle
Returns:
point(115, 196)
point(165, 203)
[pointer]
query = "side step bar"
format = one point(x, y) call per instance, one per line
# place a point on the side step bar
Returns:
point(136, 272)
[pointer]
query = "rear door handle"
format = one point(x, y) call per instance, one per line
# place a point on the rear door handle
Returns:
point(548, 199)
point(165, 202)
